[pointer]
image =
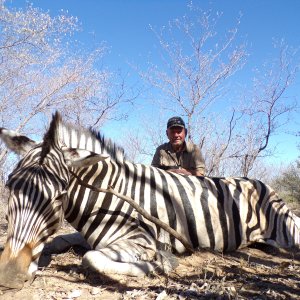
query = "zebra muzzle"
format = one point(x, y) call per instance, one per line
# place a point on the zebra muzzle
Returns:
point(14, 269)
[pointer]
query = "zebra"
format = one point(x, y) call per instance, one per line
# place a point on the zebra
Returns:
point(221, 214)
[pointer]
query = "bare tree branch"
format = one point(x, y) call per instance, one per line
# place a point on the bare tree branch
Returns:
point(192, 77)
point(42, 69)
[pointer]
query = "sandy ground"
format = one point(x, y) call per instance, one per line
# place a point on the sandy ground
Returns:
point(251, 273)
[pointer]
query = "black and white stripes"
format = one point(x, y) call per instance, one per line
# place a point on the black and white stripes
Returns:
point(216, 213)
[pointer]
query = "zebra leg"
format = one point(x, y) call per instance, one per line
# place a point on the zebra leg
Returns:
point(64, 242)
point(98, 261)
point(127, 258)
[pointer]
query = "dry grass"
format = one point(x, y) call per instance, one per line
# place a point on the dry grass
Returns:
point(251, 273)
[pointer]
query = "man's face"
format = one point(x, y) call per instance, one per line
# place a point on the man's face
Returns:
point(176, 136)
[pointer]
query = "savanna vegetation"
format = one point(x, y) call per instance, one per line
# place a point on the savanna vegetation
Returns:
point(44, 68)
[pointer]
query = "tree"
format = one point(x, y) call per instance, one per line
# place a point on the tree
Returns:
point(42, 69)
point(198, 62)
point(264, 112)
point(288, 183)
point(268, 109)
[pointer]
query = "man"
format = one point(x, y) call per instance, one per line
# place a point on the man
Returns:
point(178, 155)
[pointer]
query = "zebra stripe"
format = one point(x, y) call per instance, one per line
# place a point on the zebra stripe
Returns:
point(216, 213)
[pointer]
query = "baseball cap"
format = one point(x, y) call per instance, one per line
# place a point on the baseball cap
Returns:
point(175, 121)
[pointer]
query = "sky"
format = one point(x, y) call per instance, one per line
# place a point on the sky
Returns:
point(125, 28)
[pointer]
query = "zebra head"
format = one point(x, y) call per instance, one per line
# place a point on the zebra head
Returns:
point(37, 188)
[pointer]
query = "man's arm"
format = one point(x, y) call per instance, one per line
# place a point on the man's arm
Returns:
point(198, 172)
point(156, 159)
point(199, 162)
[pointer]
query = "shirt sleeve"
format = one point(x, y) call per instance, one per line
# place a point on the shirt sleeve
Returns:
point(156, 159)
point(198, 160)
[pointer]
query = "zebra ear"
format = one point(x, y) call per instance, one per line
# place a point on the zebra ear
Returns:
point(79, 158)
point(20, 144)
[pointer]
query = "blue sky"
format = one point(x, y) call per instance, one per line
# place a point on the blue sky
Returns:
point(124, 26)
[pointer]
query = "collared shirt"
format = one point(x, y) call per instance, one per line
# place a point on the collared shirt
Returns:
point(190, 158)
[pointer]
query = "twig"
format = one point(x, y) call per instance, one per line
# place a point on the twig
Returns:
point(140, 210)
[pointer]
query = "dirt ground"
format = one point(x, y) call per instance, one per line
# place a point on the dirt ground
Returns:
point(251, 273)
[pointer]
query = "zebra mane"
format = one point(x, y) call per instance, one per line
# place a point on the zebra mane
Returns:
point(50, 137)
point(72, 136)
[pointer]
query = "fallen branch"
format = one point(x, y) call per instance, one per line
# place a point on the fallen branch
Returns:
point(140, 210)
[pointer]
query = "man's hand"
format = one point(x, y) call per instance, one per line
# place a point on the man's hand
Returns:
point(187, 172)
point(180, 171)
